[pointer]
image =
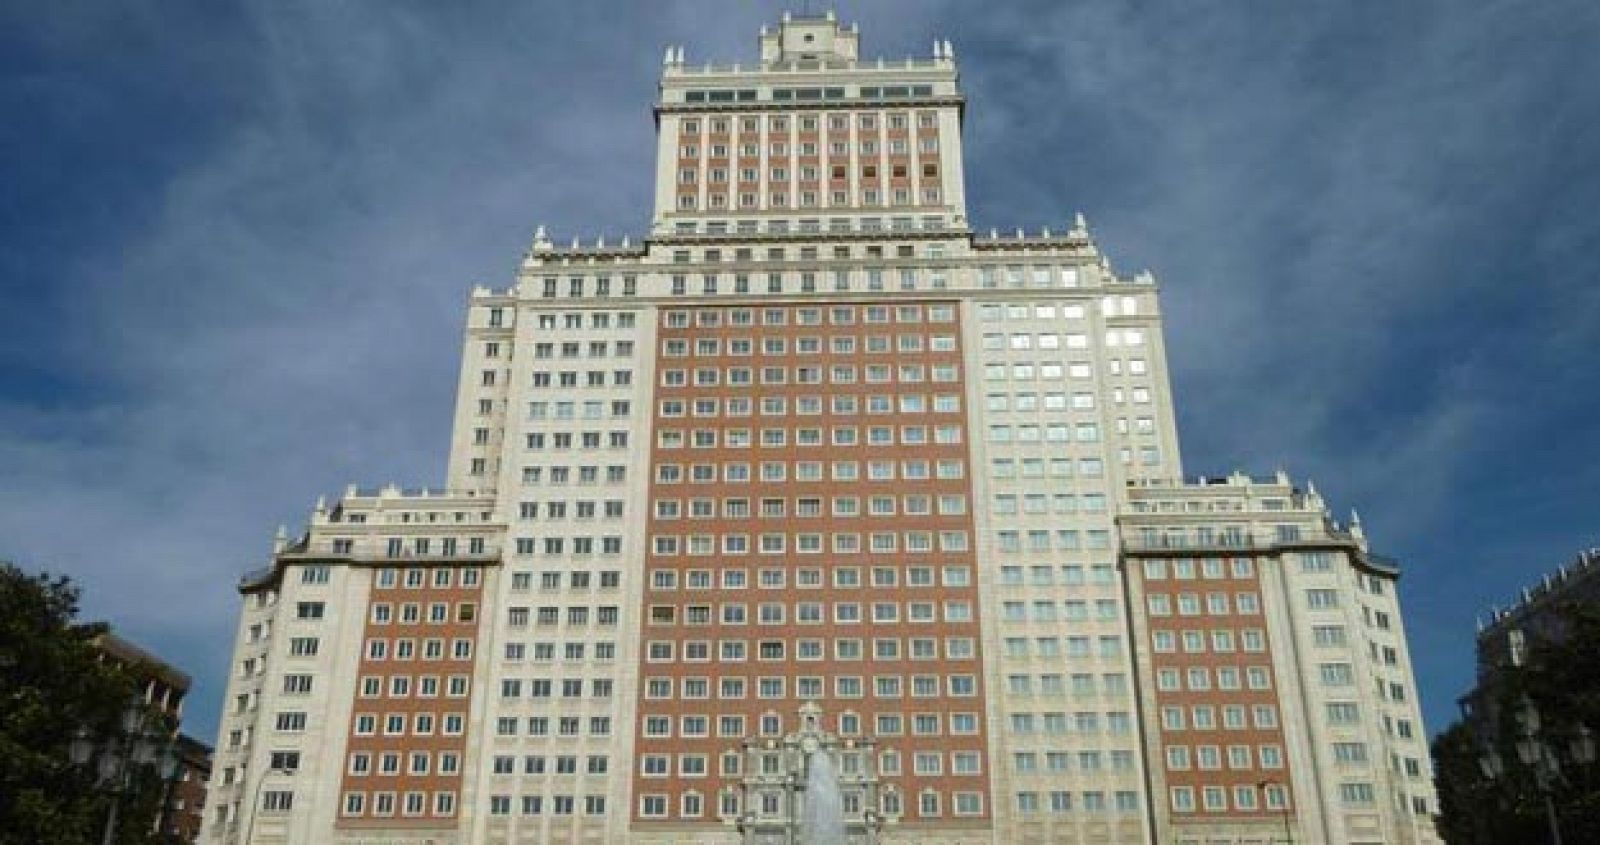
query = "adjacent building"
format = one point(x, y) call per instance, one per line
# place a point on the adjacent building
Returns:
point(163, 688)
point(1537, 615)
point(814, 467)
point(1273, 674)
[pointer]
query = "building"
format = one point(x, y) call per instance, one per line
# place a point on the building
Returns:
point(812, 465)
point(185, 808)
point(1537, 615)
point(1273, 673)
point(163, 688)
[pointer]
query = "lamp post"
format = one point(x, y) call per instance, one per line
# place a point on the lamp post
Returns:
point(135, 743)
point(1288, 832)
point(255, 802)
point(1536, 754)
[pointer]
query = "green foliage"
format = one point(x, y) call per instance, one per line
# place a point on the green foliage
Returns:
point(1560, 680)
point(54, 686)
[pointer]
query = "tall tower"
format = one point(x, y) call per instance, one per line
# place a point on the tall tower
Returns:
point(810, 465)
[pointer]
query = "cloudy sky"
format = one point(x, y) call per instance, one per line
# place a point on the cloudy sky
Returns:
point(235, 243)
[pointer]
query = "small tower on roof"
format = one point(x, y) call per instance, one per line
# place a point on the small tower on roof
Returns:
point(809, 38)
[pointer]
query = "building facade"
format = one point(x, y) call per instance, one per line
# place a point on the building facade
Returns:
point(811, 459)
point(1539, 615)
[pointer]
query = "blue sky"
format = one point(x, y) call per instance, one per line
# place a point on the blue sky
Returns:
point(236, 240)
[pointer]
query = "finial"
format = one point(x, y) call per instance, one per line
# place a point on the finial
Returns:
point(1079, 225)
point(625, 242)
point(1020, 236)
point(994, 234)
point(1045, 232)
point(280, 539)
point(666, 58)
point(600, 242)
point(1355, 517)
point(949, 51)
point(541, 240)
point(574, 241)
point(322, 504)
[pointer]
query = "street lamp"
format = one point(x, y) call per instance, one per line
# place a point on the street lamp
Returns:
point(135, 743)
point(1536, 754)
point(1288, 832)
point(255, 801)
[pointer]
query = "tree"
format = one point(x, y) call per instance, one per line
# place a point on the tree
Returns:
point(1552, 697)
point(55, 687)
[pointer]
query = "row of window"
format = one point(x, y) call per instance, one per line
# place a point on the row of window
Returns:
point(810, 577)
point(844, 686)
point(589, 409)
point(610, 544)
point(413, 724)
point(929, 804)
point(421, 686)
point(1190, 604)
point(842, 280)
point(411, 613)
point(836, 122)
point(577, 579)
point(1214, 799)
point(560, 726)
point(1199, 678)
point(844, 344)
point(1061, 801)
point(1111, 306)
point(1061, 539)
point(585, 474)
point(397, 763)
point(778, 438)
point(1252, 640)
point(565, 764)
point(844, 648)
point(381, 648)
point(1057, 761)
point(566, 441)
point(877, 542)
point(408, 804)
point(421, 547)
point(810, 255)
point(812, 613)
point(841, 405)
point(838, 315)
point(1204, 717)
point(778, 507)
point(544, 350)
point(1056, 684)
point(1213, 757)
point(573, 652)
point(522, 617)
point(513, 688)
point(557, 805)
point(1210, 568)
point(1071, 575)
point(1006, 504)
point(838, 374)
point(548, 321)
point(810, 199)
point(778, 171)
point(1050, 648)
point(924, 764)
point(1048, 610)
point(1045, 370)
point(579, 509)
point(944, 469)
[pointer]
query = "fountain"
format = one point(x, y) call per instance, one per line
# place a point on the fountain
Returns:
point(822, 820)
